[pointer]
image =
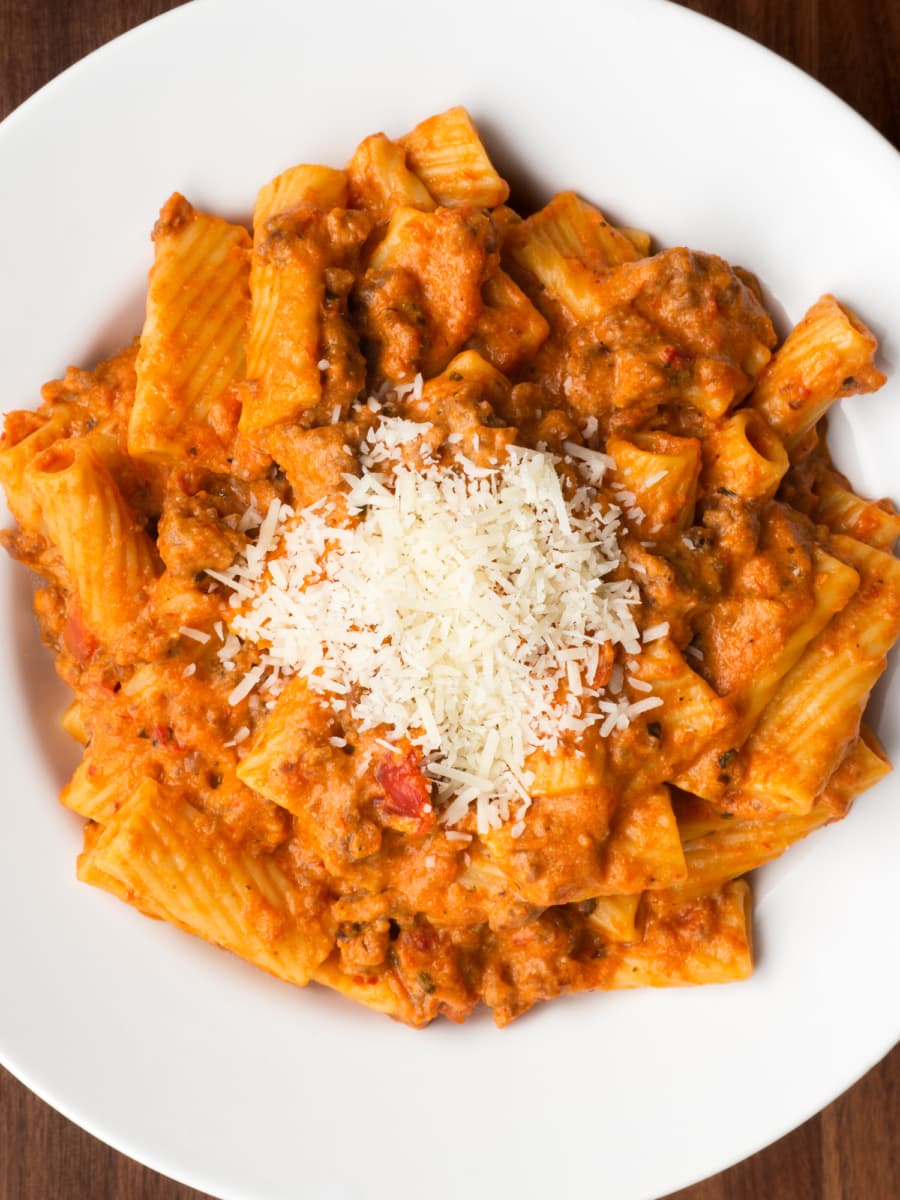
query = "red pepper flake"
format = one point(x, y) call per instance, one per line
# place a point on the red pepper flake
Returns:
point(164, 735)
point(79, 640)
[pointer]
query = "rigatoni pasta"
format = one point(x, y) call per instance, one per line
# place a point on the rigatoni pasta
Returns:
point(457, 604)
point(194, 341)
point(108, 557)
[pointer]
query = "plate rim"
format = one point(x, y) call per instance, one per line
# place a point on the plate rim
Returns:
point(46, 94)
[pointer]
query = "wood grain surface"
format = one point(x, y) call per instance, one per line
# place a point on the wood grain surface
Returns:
point(851, 1150)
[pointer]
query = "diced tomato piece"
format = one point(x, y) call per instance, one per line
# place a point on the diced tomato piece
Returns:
point(422, 937)
point(406, 804)
point(407, 791)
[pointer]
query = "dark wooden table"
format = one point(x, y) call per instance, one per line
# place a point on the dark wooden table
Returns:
point(851, 1150)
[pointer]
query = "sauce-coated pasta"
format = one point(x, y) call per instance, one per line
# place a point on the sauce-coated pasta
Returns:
point(457, 606)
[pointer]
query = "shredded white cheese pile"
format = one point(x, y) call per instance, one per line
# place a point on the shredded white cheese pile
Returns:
point(464, 606)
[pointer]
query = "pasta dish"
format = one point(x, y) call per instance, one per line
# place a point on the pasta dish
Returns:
point(457, 605)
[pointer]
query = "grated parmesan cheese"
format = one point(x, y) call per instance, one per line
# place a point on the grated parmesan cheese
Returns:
point(454, 835)
point(461, 606)
point(655, 478)
point(196, 635)
point(655, 632)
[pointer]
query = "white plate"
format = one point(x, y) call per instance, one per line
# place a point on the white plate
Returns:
point(182, 1056)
